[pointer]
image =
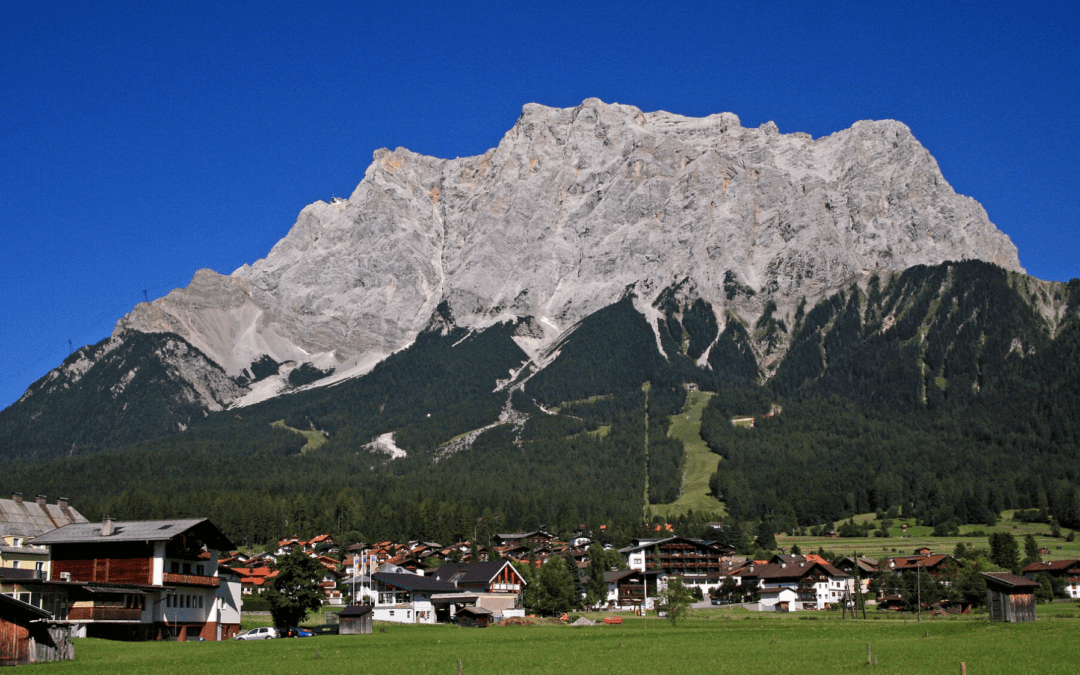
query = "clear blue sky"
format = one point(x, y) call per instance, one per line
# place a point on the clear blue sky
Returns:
point(140, 142)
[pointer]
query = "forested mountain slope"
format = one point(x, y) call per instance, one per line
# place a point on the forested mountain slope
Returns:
point(947, 392)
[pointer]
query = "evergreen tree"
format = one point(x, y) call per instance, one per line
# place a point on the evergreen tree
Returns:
point(557, 589)
point(1031, 549)
point(1004, 551)
point(765, 537)
point(596, 588)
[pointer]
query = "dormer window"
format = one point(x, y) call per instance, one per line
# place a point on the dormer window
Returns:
point(16, 542)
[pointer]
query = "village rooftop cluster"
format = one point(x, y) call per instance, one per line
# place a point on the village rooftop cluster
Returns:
point(182, 579)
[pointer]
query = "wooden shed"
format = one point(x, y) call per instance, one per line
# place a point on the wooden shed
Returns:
point(474, 617)
point(1011, 598)
point(355, 620)
point(26, 636)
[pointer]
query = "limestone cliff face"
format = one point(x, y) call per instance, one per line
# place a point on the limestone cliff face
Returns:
point(573, 207)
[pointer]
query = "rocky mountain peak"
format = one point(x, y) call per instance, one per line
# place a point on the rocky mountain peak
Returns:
point(571, 208)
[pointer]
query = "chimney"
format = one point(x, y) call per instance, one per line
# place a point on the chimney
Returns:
point(41, 500)
point(107, 527)
point(62, 502)
point(16, 497)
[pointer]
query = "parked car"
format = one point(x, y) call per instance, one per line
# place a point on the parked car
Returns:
point(294, 631)
point(262, 633)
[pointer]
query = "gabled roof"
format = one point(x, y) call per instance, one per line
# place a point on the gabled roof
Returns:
point(30, 519)
point(138, 530)
point(413, 582)
point(1009, 581)
point(777, 571)
point(356, 610)
point(911, 562)
point(1051, 566)
point(650, 543)
point(473, 573)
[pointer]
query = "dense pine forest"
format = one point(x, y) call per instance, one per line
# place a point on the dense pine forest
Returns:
point(946, 393)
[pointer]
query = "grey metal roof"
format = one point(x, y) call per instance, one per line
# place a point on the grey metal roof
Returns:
point(137, 530)
point(30, 519)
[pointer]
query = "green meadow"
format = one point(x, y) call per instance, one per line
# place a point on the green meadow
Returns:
point(699, 463)
point(710, 641)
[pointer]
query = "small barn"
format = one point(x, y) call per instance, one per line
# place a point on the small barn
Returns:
point(1011, 598)
point(355, 620)
point(474, 617)
point(27, 637)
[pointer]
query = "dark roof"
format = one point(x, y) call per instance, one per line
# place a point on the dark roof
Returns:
point(138, 530)
point(790, 570)
point(413, 582)
point(649, 543)
point(618, 575)
point(30, 519)
point(475, 611)
point(17, 610)
point(911, 562)
point(472, 573)
point(355, 610)
point(1051, 566)
point(1007, 580)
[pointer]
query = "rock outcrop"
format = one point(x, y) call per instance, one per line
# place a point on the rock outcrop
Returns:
point(573, 207)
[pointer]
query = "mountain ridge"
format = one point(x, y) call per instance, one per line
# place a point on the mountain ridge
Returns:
point(572, 207)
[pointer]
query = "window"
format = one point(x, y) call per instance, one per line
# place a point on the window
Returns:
point(15, 564)
point(175, 568)
point(187, 568)
point(200, 570)
point(200, 602)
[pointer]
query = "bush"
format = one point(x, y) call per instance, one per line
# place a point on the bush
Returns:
point(254, 603)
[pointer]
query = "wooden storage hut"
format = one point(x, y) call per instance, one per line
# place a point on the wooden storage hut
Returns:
point(1011, 598)
point(474, 617)
point(26, 636)
point(355, 620)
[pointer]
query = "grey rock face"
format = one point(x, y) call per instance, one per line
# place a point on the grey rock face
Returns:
point(572, 207)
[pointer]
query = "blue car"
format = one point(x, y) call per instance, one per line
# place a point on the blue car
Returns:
point(294, 631)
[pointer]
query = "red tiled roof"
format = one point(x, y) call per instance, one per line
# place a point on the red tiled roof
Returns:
point(1051, 566)
point(911, 562)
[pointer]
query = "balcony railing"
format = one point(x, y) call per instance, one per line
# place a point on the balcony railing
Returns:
point(104, 614)
point(190, 580)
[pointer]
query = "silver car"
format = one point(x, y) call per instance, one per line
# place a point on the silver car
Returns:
point(263, 633)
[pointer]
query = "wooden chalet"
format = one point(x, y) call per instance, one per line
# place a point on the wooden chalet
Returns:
point(530, 539)
point(156, 579)
point(474, 617)
point(28, 636)
point(696, 562)
point(932, 565)
point(355, 620)
point(633, 588)
point(498, 585)
point(1011, 598)
point(797, 581)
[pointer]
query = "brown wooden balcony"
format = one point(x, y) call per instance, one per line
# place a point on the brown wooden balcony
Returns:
point(190, 580)
point(104, 614)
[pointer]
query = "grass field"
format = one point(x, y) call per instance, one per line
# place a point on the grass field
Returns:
point(711, 641)
point(699, 463)
point(900, 543)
